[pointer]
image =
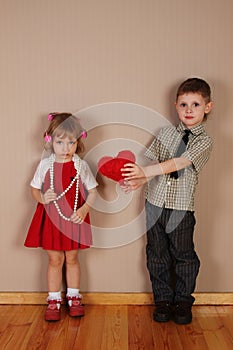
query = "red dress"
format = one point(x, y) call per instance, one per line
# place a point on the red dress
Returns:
point(48, 229)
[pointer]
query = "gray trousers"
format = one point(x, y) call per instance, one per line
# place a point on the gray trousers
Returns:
point(171, 259)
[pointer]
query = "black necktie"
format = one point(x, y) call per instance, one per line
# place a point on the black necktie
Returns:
point(181, 149)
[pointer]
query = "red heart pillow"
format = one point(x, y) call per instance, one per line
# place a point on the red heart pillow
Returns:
point(111, 167)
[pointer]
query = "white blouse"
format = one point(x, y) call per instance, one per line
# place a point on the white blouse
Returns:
point(86, 175)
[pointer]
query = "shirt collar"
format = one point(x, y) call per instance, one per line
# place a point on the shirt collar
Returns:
point(196, 130)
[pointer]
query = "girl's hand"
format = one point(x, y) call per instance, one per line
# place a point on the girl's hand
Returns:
point(132, 171)
point(49, 196)
point(79, 216)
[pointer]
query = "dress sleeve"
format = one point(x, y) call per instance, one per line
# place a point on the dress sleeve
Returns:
point(87, 177)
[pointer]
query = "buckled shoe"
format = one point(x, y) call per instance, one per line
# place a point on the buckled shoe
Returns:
point(53, 311)
point(76, 308)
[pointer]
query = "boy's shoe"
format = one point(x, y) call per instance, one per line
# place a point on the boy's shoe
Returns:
point(162, 311)
point(53, 311)
point(75, 306)
point(183, 313)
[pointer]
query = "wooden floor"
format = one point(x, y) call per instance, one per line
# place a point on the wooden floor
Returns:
point(114, 328)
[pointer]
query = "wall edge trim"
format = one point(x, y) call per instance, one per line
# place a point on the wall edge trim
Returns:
point(103, 298)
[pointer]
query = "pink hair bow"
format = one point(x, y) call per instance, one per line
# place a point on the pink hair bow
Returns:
point(83, 134)
point(51, 116)
point(48, 138)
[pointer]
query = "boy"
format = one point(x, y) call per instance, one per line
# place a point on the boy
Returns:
point(180, 152)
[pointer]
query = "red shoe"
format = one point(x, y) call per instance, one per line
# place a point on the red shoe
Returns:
point(75, 306)
point(53, 311)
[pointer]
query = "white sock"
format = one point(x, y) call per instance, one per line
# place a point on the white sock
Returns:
point(55, 296)
point(72, 292)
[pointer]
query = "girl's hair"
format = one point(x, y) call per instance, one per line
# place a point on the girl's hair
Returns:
point(65, 125)
point(195, 85)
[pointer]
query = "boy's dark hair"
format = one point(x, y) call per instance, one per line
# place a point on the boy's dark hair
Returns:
point(195, 85)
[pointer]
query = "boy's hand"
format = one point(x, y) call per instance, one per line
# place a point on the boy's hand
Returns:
point(131, 185)
point(79, 216)
point(132, 171)
point(49, 196)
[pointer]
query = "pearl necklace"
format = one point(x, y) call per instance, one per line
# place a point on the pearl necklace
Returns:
point(77, 165)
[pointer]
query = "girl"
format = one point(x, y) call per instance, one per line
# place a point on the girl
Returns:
point(61, 223)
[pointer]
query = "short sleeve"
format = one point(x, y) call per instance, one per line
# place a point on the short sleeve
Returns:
point(159, 148)
point(39, 175)
point(87, 177)
point(199, 152)
point(153, 151)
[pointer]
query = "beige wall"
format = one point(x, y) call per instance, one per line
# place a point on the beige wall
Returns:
point(69, 55)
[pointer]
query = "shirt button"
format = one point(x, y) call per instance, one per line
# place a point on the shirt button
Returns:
point(169, 183)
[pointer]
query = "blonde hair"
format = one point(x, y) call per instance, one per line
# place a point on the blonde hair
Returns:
point(62, 125)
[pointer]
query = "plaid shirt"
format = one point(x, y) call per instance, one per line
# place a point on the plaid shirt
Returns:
point(165, 191)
